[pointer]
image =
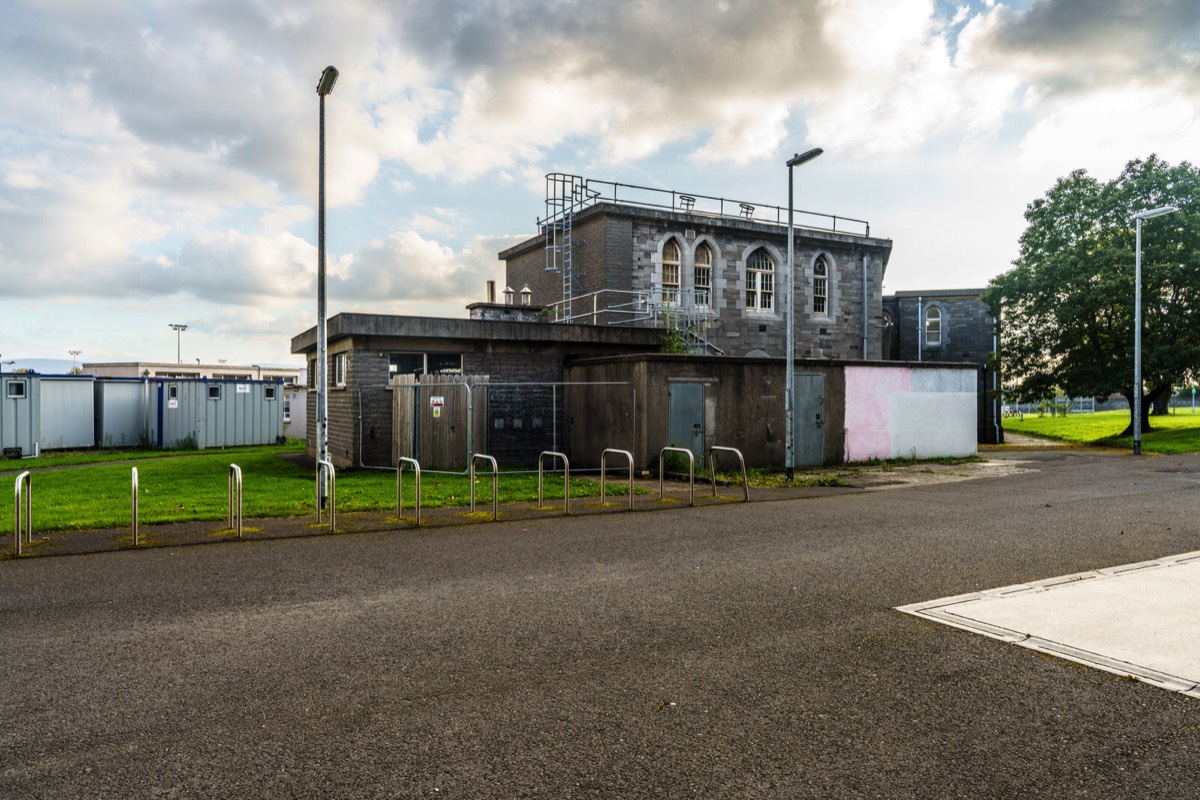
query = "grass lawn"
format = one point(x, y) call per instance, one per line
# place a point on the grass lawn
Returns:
point(86, 489)
point(71, 493)
point(1171, 433)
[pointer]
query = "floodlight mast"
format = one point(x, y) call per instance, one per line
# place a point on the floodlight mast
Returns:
point(178, 328)
point(1137, 324)
point(789, 400)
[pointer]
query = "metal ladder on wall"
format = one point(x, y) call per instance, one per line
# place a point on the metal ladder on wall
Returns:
point(565, 194)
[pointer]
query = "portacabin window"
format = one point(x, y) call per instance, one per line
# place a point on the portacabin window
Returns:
point(214, 391)
point(268, 392)
point(760, 281)
point(15, 389)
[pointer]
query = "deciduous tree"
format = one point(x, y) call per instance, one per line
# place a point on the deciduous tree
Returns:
point(1067, 305)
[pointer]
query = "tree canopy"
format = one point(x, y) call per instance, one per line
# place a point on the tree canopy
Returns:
point(1067, 305)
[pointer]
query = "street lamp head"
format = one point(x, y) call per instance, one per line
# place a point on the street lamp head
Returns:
point(329, 77)
point(805, 157)
point(1155, 212)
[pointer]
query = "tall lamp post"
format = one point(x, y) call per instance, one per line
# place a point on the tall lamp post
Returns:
point(789, 405)
point(1137, 325)
point(329, 77)
point(74, 355)
point(178, 330)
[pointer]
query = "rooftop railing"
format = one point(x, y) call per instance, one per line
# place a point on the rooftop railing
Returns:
point(591, 191)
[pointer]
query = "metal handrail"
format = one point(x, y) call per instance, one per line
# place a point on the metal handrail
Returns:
point(691, 471)
point(417, 494)
point(495, 483)
point(697, 204)
point(604, 471)
point(326, 467)
point(712, 468)
point(566, 479)
point(235, 485)
point(133, 504)
point(23, 480)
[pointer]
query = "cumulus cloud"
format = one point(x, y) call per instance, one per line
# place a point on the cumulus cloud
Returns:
point(164, 151)
point(1081, 45)
point(406, 270)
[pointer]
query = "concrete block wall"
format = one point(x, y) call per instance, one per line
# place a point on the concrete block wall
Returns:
point(360, 413)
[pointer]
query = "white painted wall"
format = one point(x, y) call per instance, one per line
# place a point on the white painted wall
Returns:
point(902, 412)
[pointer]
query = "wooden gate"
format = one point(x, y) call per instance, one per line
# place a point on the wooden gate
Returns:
point(435, 420)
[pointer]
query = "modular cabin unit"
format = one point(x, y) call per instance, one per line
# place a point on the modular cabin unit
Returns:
point(211, 413)
point(67, 412)
point(121, 418)
point(20, 414)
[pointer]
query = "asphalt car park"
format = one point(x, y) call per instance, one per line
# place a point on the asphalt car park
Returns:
point(729, 650)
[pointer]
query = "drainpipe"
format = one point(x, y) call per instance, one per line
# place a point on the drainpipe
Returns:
point(920, 331)
point(996, 379)
point(866, 323)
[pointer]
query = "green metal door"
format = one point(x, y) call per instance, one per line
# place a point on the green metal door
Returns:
point(808, 430)
point(685, 428)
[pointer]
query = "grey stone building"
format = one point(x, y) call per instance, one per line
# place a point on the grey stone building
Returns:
point(947, 325)
point(709, 268)
point(639, 318)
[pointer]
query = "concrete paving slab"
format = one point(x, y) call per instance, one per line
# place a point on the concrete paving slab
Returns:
point(1136, 619)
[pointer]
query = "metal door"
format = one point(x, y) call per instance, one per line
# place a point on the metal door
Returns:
point(808, 430)
point(685, 426)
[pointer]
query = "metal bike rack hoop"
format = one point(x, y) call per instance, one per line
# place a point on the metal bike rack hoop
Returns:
point(417, 495)
point(133, 504)
point(326, 467)
point(712, 468)
point(22, 491)
point(691, 471)
point(495, 483)
point(566, 478)
point(603, 471)
point(235, 489)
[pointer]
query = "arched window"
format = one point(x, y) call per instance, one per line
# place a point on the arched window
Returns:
point(820, 286)
point(760, 281)
point(702, 275)
point(670, 272)
point(933, 327)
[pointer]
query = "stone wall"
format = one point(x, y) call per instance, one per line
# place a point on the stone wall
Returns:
point(620, 248)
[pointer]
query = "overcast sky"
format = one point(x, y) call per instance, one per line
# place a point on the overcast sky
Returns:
point(159, 157)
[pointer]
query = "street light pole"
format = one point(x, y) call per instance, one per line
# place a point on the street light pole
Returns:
point(74, 354)
point(789, 400)
point(329, 77)
point(178, 330)
point(1137, 325)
